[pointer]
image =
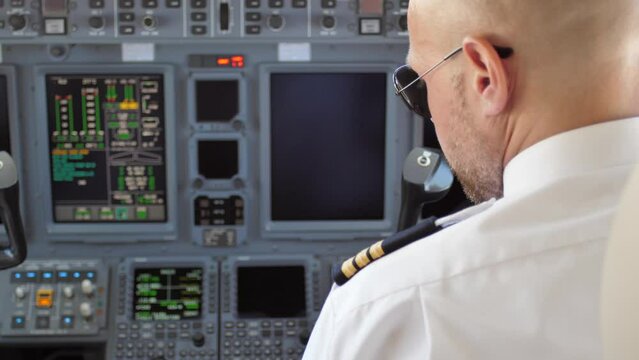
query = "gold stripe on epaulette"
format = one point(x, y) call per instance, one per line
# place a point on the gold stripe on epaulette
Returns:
point(362, 259)
point(376, 250)
point(348, 269)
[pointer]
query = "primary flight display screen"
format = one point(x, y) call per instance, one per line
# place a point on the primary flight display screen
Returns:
point(271, 291)
point(167, 293)
point(328, 146)
point(107, 148)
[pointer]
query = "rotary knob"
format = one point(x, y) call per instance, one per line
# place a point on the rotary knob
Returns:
point(328, 22)
point(68, 291)
point(86, 310)
point(96, 22)
point(276, 22)
point(150, 22)
point(21, 292)
point(17, 22)
point(198, 339)
point(87, 287)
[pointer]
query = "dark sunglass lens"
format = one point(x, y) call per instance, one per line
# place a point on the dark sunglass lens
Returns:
point(414, 95)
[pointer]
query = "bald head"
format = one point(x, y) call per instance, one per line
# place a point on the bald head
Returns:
point(574, 64)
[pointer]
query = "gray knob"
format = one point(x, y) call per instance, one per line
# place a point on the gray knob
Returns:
point(96, 22)
point(17, 22)
point(276, 22)
point(150, 22)
point(328, 22)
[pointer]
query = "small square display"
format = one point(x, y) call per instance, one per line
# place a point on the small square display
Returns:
point(218, 159)
point(216, 100)
point(167, 293)
point(271, 291)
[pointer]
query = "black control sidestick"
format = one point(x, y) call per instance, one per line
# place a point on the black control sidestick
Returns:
point(16, 252)
point(426, 178)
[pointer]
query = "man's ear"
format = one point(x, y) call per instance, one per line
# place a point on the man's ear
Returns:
point(489, 74)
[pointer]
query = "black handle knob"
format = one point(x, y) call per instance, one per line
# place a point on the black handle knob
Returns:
point(198, 339)
point(15, 253)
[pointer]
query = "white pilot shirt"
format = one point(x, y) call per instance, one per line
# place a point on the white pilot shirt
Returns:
point(519, 281)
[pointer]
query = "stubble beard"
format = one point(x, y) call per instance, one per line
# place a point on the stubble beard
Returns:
point(477, 166)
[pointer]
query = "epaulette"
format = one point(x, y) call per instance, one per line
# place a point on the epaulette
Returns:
point(349, 268)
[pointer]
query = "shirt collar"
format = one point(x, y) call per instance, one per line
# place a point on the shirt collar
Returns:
point(608, 144)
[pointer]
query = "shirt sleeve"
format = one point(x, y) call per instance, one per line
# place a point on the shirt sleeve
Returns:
point(320, 345)
point(392, 327)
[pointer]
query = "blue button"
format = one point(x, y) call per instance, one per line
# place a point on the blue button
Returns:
point(90, 275)
point(47, 275)
point(67, 322)
point(17, 322)
point(32, 275)
point(63, 274)
point(76, 275)
point(18, 276)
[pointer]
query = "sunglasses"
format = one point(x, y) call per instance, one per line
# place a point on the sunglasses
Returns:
point(412, 87)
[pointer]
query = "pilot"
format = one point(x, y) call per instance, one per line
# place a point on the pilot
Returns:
point(536, 104)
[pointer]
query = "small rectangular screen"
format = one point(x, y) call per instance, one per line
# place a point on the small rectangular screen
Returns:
point(167, 294)
point(107, 147)
point(217, 100)
point(328, 146)
point(271, 291)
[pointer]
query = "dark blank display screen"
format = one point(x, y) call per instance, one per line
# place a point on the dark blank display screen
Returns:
point(271, 291)
point(217, 100)
point(328, 133)
point(218, 159)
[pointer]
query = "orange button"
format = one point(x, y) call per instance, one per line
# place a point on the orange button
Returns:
point(44, 298)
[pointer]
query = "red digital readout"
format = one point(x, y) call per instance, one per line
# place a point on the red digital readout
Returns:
point(235, 61)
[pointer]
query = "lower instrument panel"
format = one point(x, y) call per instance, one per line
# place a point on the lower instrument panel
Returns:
point(238, 307)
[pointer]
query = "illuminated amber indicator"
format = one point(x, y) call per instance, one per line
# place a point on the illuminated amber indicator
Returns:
point(44, 298)
point(235, 61)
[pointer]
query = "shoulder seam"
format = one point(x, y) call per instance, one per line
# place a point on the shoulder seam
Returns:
point(469, 271)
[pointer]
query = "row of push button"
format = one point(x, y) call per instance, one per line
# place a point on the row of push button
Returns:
point(42, 322)
point(151, 4)
point(140, 350)
point(265, 324)
point(51, 276)
point(276, 4)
